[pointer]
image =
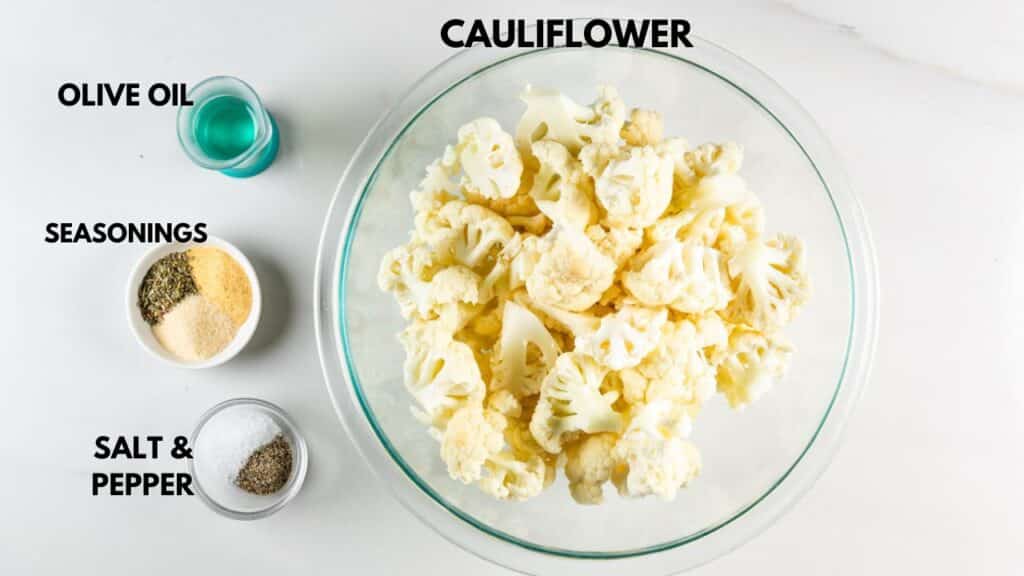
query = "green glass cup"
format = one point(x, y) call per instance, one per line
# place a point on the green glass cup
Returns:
point(227, 128)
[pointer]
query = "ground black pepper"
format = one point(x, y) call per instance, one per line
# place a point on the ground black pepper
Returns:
point(267, 469)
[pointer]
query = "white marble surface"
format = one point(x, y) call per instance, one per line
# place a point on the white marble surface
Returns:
point(923, 100)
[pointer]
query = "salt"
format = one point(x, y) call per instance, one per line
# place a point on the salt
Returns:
point(227, 441)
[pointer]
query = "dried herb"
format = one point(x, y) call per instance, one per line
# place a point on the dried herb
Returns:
point(267, 469)
point(167, 282)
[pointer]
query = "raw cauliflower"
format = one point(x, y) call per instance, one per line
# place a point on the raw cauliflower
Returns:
point(569, 271)
point(571, 401)
point(623, 338)
point(751, 365)
point(521, 470)
point(588, 466)
point(770, 282)
point(468, 234)
point(635, 187)
point(441, 373)
point(407, 271)
point(644, 128)
point(551, 115)
point(471, 437)
point(619, 244)
point(719, 211)
point(560, 188)
point(489, 158)
point(652, 456)
point(438, 185)
point(576, 294)
point(525, 352)
point(686, 276)
point(575, 324)
point(677, 369)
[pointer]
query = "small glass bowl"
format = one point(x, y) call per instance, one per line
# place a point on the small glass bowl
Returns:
point(260, 153)
point(241, 505)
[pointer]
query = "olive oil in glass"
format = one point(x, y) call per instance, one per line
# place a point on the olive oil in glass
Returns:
point(227, 128)
point(224, 126)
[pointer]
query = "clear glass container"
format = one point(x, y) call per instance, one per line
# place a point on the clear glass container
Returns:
point(757, 463)
point(231, 501)
point(227, 128)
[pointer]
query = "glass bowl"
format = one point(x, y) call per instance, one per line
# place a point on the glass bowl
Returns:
point(756, 463)
point(232, 502)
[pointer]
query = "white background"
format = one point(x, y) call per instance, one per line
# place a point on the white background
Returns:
point(923, 100)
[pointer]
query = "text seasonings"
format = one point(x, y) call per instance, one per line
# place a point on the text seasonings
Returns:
point(550, 33)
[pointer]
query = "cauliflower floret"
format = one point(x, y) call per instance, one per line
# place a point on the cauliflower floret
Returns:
point(770, 282)
point(751, 365)
point(550, 115)
point(712, 332)
point(504, 276)
point(505, 403)
point(440, 372)
point(508, 478)
point(575, 323)
point(560, 188)
point(719, 211)
point(619, 244)
point(594, 158)
point(489, 159)
point(569, 271)
point(711, 158)
point(438, 187)
point(652, 456)
point(520, 205)
point(711, 203)
point(527, 254)
point(635, 187)
point(644, 128)
point(407, 271)
point(426, 291)
point(455, 284)
point(624, 338)
point(472, 436)
point(525, 352)
point(571, 401)
point(675, 370)
point(686, 276)
point(588, 466)
point(707, 159)
point(466, 233)
point(520, 471)
point(683, 176)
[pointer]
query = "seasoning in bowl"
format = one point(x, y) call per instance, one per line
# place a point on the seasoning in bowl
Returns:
point(167, 282)
point(267, 469)
point(222, 281)
point(195, 301)
point(244, 449)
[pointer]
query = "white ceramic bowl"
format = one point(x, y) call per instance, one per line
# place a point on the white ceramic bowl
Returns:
point(144, 332)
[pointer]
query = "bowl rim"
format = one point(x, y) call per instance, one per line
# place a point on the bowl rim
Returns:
point(139, 326)
point(494, 545)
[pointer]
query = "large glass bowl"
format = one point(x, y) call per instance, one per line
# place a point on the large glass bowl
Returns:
point(755, 463)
